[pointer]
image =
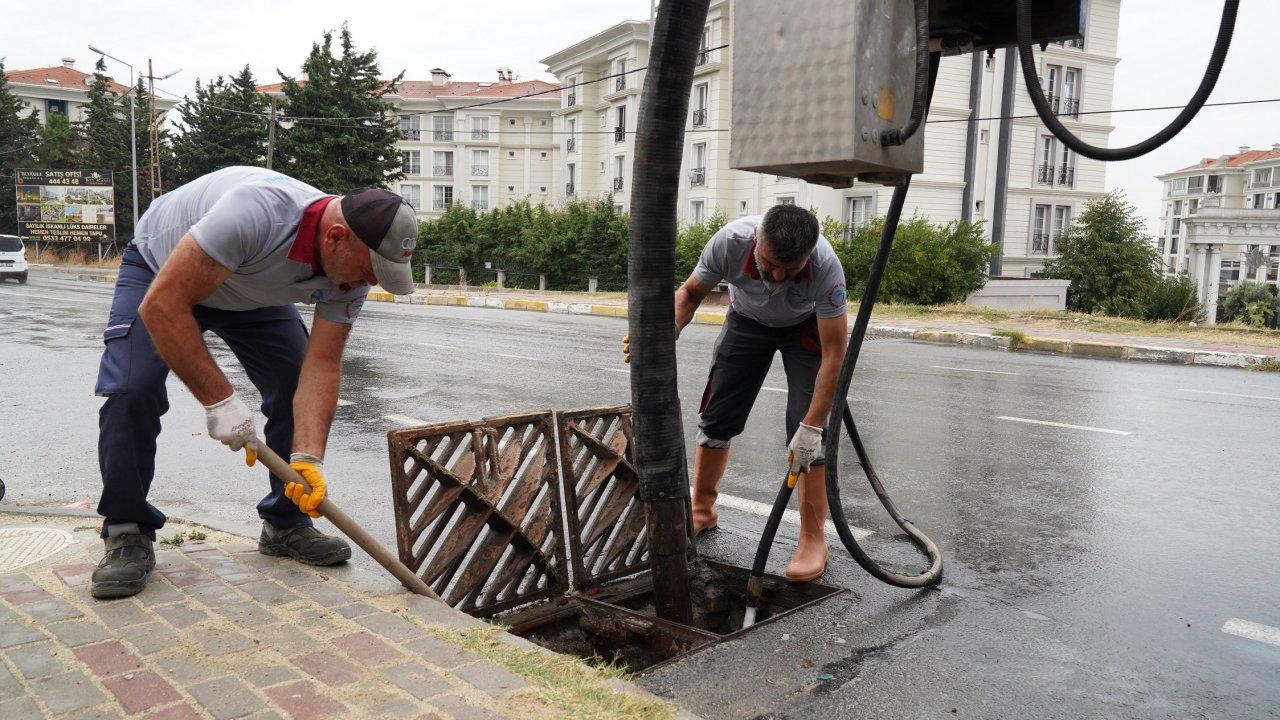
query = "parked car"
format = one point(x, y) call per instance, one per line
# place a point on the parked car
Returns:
point(13, 258)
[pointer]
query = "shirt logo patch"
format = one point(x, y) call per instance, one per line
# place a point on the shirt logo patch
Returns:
point(837, 296)
point(796, 295)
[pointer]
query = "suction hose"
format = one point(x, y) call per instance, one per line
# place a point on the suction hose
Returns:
point(831, 442)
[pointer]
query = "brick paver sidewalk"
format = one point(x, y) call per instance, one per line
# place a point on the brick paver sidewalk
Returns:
point(224, 632)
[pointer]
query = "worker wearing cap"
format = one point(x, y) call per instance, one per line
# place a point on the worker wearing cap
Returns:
point(231, 252)
point(787, 296)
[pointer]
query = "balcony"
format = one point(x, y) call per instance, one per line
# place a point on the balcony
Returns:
point(570, 145)
point(410, 133)
point(704, 57)
point(1066, 175)
point(620, 83)
point(619, 134)
point(698, 176)
point(700, 117)
point(412, 169)
point(568, 189)
point(617, 183)
point(442, 204)
point(442, 136)
point(1077, 43)
point(480, 204)
point(571, 99)
point(480, 170)
point(1040, 244)
point(480, 134)
point(1044, 175)
point(1070, 107)
point(441, 170)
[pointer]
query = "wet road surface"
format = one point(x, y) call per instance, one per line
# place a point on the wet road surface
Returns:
point(1102, 522)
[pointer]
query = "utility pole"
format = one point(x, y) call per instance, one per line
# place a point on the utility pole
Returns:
point(153, 137)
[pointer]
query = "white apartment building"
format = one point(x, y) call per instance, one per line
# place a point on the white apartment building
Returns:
point(1221, 221)
point(63, 90)
point(1010, 173)
point(459, 146)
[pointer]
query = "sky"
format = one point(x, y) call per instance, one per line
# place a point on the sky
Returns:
point(1163, 48)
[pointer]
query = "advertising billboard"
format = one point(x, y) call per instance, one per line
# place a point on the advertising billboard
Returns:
point(59, 206)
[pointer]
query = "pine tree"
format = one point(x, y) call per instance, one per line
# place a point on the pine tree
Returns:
point(221, 126)
point(19, 135)
point(352, 142)
point(60, 144)
point(106, 135)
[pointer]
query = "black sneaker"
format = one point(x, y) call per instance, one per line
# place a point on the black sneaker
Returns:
point(124, 567)
point(304, 544)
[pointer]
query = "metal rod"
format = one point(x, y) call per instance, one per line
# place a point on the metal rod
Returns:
point(348, 526)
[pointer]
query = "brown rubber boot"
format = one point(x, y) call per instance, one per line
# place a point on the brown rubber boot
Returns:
point(810, 559)
point(708, 468)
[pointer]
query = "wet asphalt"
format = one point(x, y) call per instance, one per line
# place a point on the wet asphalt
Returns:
point(1089, 570)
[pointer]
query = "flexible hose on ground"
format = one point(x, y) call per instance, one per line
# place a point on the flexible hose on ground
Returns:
point(1036, 92)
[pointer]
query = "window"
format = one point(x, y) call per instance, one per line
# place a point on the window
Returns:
point(442, 126)
point(442, 163)
point(1062, 89)
point(978, 208)
point(1061, 219)
point(412, 194)
point(984, 136)
point(571, 97)
point(1048, 224)
point(620, 123)
point(1176, 229)
point(570, 143)
point(480, 128)
point(572, 174)
point(511, 188)
point(742, 207)
point(443, 196)
point(1177, 208)
point(511, 153)
point(619, 68)
point(619, 162)
point(857, 211)
point(1262, 177)
point(1192, 206)
point(511, 122)
point(701, 94)
point(410, 127)
point(1179, 186)
point(695, 212)
point(786, 200)
point(1195, 184)
point(411, 162)
point(480, 163)
point(480, 197)
point(55, 107)
point(1258, 200)
point(703, 44)
point(698, 173)
point(1056, 164)
point(1215, 184)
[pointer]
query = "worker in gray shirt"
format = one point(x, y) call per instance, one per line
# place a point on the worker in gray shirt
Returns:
point(787, 295)
point(231, 252)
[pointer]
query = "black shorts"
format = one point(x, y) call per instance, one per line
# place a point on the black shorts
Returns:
point(743, 354)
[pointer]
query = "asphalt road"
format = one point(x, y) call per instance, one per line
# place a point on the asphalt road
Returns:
point(1110, 529)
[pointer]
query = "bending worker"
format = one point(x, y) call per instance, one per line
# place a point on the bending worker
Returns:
point(787, 294)
point(231, 252)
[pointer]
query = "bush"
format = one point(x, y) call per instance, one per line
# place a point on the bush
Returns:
point(929, 264)
point(1252, 303)
point(692, 239)
point(1111, 264)
point(1174, 298)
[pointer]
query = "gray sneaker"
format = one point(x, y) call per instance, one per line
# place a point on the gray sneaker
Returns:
point(124, 567)
point(304, 544)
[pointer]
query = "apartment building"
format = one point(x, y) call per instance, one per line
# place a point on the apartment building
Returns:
point(483, 144)
point(1010, 173)
point(1221, 221)
point(63, 90)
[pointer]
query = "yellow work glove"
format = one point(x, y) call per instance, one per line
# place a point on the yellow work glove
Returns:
point(311, 468)
point(626, 348)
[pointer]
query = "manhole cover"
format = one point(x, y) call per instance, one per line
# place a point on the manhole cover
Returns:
point(19, 547)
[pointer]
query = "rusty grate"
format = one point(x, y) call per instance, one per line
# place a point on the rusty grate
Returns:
point(606, 517)
point(477, 510)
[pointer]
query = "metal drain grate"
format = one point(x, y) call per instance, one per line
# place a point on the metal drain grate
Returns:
point(20, 547)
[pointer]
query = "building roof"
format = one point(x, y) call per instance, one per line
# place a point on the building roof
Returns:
point(427, 89)
point(1233, 161)
point(60, 76)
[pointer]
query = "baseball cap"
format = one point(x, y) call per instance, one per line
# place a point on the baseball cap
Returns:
point(387, 224)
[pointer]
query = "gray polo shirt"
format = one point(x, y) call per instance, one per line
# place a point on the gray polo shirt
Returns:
point(730, 256)
point(247, 219)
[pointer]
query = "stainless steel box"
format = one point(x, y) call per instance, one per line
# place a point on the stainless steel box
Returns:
point(815, 82)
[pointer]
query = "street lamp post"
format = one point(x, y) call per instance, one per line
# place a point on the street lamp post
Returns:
point(133, 133)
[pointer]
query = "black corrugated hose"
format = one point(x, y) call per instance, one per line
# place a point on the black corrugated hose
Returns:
point(1029, 74)
point(919, 99)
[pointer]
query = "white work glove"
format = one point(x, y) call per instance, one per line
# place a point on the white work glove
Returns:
point(805, 447)
point(230, 422)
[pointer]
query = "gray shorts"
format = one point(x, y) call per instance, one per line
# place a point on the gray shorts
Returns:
point(743, 354)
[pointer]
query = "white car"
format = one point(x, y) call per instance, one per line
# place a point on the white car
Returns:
point(13, 258)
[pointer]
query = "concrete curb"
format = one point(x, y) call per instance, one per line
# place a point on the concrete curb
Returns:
point(1043, 345)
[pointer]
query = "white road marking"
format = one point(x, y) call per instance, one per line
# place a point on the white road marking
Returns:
point(788, 516)
point(518, 357)
point(1069, 426)
point(404, 420)
point(438, 347)
point(1227, 394)
point(344, 403)
point(773, 389)
point(992, 372)
point(617, 370)
point(37, 296)
point(1252, 630)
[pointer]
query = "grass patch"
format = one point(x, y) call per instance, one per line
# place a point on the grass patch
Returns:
point(78, 528)
point(181, 537)
point(569, 686)
point(196, 535)
point(1268, 365)
point(1017, 338)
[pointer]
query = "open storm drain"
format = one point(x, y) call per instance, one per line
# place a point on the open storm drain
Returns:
point(533, 520)
point(20, 547)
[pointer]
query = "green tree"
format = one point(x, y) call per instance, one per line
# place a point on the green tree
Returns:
point(1112, 265)
point(61, 144)
point(221, 126)
point(1174, 298)
point(692, 239)
point(929, 264)
point(19, 135)
point(349, 134)
point(105, 129)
